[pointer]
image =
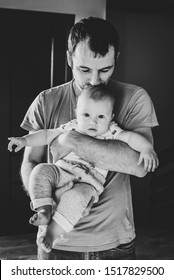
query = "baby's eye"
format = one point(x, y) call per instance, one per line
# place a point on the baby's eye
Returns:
point(101, 116)
point(86, 115)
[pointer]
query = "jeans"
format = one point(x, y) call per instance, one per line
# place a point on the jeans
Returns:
point(122, 252)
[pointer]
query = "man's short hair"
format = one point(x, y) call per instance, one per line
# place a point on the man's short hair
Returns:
point(99, 34)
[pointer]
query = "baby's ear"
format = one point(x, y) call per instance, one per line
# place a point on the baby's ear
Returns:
point(113, 115)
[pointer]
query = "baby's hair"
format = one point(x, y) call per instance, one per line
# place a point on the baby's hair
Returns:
point(98, 92)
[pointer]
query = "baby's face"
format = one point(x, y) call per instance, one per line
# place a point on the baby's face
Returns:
point(93, 116)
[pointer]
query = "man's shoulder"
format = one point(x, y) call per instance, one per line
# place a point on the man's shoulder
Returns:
point(56, 91)
point(124, 88)
point(125, 92)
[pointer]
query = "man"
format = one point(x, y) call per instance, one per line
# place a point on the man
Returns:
point(108, 231)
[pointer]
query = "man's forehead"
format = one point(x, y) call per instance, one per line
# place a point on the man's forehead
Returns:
point(84, 54)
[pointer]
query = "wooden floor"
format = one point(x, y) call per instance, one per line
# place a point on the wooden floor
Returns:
point(18, 247)
point(152, 243)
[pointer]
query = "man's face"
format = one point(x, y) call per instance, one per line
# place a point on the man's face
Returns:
point(90, 70)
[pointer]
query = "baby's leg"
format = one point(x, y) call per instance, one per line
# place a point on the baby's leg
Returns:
point(41, 184)
point(69, 210)
point(74, 202)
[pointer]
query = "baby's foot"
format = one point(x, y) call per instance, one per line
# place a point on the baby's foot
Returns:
point(42, 217)
point(52, 232)
point(45, 241)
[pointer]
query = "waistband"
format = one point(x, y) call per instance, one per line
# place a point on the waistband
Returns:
point(122, 252)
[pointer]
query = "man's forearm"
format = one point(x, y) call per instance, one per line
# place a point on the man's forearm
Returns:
point(111, 155)
point(26, 169)
point(106, 154)
point(32, 157)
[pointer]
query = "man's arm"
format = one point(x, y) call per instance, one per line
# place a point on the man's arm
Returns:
point(32, 157)
point(111, 155)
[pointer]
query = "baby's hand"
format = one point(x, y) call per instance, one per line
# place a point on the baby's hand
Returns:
point(150, 159)
point(20, 142)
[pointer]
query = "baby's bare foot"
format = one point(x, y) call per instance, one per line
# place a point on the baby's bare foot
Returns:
point(45, 241)
point(42, 217)
point(46, 244)
point(52, 232)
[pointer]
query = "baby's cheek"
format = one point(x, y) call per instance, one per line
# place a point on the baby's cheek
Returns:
point(83, 126)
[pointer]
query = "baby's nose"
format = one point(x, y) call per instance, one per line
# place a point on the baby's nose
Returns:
point(93, 121)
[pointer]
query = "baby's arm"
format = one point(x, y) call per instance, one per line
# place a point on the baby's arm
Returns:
point(39, 138)
point(142, 145)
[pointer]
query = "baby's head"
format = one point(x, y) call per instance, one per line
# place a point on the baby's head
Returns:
point(95, 110)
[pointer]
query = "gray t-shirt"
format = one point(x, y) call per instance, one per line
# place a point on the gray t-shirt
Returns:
point(110, 222)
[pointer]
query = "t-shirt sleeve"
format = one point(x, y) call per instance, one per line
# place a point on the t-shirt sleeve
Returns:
point(34, 117)
point(141, 112)
point(114, 130)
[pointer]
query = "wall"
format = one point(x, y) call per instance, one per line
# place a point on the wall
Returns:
point(81, 8)
point(16, 41)
point(146, 46)
point(147, 59)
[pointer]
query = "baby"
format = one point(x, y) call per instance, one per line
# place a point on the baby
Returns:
point(94, 114)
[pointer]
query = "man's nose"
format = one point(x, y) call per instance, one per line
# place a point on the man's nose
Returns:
point(95, 79)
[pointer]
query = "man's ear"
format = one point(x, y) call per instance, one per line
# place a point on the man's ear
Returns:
point(69, 58)
point(118, 54)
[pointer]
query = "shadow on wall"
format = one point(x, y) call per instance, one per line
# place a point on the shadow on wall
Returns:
point(146, 59)
point(162, 199)
point(153, 196)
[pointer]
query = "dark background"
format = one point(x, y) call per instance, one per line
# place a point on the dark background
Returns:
point(146, 30)
point(147, 58)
